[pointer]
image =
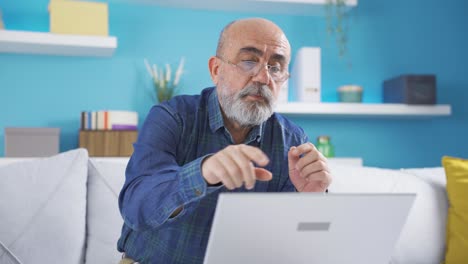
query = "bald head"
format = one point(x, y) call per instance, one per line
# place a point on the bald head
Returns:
point(251, 28)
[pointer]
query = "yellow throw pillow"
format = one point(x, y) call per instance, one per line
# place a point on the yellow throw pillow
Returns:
point(456, 171)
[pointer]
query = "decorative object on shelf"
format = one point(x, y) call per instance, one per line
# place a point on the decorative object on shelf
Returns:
point(350, 94)
point(410, 89)
point(79, 18)
point(164, 84)
point(335, 13)
point(109, 120)
point(325, 146)
point(306, 74)
point(108, 143)
point(31, 141)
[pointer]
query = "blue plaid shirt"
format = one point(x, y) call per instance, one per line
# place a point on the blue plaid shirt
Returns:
point(164, 173)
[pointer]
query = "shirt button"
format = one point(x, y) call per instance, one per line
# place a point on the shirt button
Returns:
point(198, 192)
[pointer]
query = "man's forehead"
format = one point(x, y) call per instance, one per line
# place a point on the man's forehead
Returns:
point(261, 40)
point(261, 34)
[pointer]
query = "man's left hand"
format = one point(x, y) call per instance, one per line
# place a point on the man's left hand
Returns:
point(308, 169)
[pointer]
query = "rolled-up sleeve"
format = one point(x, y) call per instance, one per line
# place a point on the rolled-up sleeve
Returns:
point(156, 185)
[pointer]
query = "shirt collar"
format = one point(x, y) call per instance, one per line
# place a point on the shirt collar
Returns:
point(216, 118)
point(214, 112)
point(255, 134)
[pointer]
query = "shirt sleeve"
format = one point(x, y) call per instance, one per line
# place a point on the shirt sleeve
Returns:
point(155, 184)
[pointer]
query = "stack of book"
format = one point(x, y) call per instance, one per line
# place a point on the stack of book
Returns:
point(109, 120)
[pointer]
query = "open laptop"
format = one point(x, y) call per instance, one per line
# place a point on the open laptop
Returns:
point(294, 228)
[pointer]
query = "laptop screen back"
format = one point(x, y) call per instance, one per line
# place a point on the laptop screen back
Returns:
point(308, 228)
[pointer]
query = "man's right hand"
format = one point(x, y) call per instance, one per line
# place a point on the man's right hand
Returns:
point(233, 166)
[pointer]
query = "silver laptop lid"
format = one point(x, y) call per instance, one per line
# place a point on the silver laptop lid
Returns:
point(307, 228)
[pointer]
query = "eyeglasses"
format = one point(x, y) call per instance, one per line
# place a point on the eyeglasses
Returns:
point(252, 68)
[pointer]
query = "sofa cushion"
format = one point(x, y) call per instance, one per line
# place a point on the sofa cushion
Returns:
point(434, 176)
point(422, 237)
point(6, 256)
point(457, 222)
point(43, 208)
point(106, 177)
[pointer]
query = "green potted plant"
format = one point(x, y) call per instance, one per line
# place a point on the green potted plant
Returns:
point(336, 17)
point(165, 85)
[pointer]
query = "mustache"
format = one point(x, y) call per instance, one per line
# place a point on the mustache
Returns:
point(259, 90)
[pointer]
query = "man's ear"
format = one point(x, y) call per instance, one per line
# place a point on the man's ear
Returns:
point(213, 66)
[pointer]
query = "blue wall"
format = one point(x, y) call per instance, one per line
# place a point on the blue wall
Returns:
point(387, 38)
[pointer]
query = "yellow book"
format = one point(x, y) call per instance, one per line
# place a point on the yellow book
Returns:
point(81, 18)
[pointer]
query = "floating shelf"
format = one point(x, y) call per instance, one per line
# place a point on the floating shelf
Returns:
point(26, 42)
point(288, 7)
point(363, 109)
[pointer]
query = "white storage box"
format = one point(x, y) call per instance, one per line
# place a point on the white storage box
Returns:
point(306, 74)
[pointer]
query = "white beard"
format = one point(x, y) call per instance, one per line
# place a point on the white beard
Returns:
point(247, 113)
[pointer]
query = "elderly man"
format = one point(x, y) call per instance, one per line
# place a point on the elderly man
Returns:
point(227, 139)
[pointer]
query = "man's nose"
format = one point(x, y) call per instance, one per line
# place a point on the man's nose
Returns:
point(263, 76)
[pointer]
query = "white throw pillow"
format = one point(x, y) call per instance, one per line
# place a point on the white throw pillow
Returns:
point(43, 208)
point(423, 236)
point(106, 178)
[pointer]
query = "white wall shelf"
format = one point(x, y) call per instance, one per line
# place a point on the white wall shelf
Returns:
point(363, 109)
point(289, 7)
point(26, 42)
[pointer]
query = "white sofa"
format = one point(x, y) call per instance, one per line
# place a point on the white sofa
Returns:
point(63, 209)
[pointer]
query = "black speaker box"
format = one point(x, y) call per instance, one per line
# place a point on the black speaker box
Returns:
point(410, 89)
